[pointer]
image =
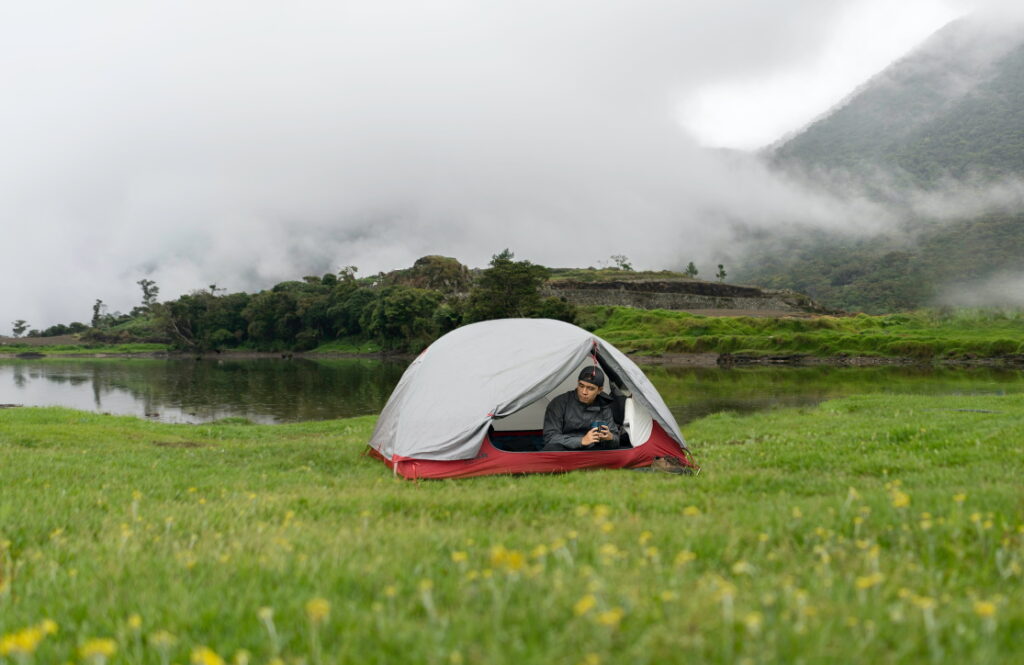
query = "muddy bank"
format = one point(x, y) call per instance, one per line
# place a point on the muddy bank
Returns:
point(723, 360)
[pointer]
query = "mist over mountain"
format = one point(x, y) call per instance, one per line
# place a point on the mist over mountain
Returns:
point(938, 137)
point(954, 107)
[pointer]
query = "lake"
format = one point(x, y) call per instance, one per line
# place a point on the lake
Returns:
point(271, 390)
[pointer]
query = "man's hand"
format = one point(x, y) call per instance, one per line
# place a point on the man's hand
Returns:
point(592, 437)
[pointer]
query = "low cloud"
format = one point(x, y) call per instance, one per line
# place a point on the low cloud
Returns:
point(1005, 289)
point(243, 143)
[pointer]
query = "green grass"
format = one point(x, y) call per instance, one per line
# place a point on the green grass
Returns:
point(83, 349)
point(869, 529)
point(349, 345)
point(923, 335)
point(612, 274)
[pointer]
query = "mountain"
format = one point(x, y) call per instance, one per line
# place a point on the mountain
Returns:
point(950, 113)
point(952, 107)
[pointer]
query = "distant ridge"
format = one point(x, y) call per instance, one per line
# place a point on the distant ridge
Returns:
point(950, 113)
point(952, 107)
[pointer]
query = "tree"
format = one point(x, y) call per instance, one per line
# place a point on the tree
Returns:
point(691, 270)
point(149, 292)
point(721, 273)
point(621, 262)
point(98, 310)
point(19, 327)
point(402, 316)
point(508, 288)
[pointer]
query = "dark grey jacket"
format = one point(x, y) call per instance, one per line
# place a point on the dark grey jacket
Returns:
point(567, 419)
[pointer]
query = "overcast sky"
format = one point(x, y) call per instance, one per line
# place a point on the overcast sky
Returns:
point(247, 142)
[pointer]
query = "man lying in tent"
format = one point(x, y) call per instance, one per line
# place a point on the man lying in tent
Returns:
point(581, 419)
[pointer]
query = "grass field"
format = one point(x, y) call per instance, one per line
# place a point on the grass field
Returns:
point(875, 529)
point(925, 334)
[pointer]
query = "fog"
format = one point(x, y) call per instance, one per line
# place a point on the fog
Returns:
point(243, 143)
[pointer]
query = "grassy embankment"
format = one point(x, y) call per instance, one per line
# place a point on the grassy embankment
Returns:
point(83, 349)
point(869, 529)
point(924, 335)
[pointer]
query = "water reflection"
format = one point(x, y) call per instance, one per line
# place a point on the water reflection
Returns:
point(275, 390)
point(261, 390)
point(692, 393)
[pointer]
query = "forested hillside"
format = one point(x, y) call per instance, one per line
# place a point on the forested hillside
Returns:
point(893, 272)
point(950, 113)
point(953, 107)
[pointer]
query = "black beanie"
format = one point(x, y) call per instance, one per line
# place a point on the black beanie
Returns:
point(592, 375)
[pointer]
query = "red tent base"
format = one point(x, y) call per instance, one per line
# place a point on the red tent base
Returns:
point(491, 461)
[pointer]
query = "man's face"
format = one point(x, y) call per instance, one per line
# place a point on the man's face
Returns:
point(586, 392)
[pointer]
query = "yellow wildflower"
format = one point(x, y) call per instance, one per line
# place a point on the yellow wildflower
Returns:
point(924, 602)
point(134, 621)
point(539, 551)
point(391, 590)
point(265, 613)
point(900, 499)
point(591, 659)
point(584, 605)
point(610, 617)
point(645, 537)
point(868, 581)
point(242, 657)
point(318, 609)
point(162, 640)
point(206, 656)
point(986, 609)
point(602, 511)
point(459, 556)
point(23, 642)
point(508, 559)
point(742, 568)
point(48, 626)
point(98, 648)
point(691, 511)
point(960, 497)
point(753, 621)
point(426, 585)
point(684, 557)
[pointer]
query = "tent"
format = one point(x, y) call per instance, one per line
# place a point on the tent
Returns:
point(473, 404)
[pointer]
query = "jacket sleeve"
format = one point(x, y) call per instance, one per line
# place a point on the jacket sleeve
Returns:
point(554, 420)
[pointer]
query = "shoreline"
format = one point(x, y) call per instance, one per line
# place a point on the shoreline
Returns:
point(702, 360)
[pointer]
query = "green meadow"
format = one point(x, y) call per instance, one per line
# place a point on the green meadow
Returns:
point(884, 529)
point(923, 335)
